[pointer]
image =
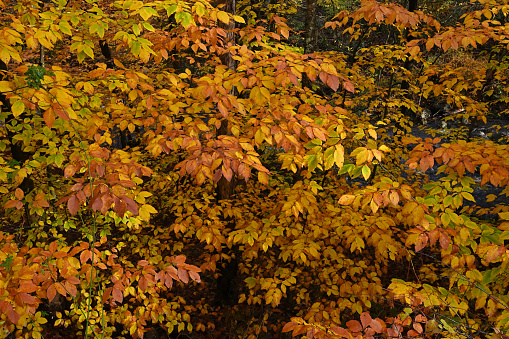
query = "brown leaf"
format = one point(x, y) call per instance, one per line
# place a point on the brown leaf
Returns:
point(117, 295)
point(51, 292)
point(183, 275)
point(73, 205)
point(18, 193)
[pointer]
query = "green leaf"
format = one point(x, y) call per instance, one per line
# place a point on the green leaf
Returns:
point(135, 48)
point(468, 196)
point(312, 161)
point(504, 215)
point(366, 172)
point(136, 29)
point(17, 108)
point(148, 26)
point(59, 159)
point(88, 51)
point(65, 27)
point(185, 19)
point(346, 168)
point(251, 282)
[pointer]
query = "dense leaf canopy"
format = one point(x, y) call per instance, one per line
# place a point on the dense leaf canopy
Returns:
point(254, 169)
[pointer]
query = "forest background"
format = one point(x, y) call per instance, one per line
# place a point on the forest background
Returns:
point(254, 169)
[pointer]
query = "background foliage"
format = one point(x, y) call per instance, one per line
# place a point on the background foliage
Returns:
point(328, 169)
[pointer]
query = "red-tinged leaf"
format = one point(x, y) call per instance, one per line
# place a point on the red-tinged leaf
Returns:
point(27, 298)
point(168, 281)
point(49, 117)
point(376, 326)
point(71, 288)
point(14, 203)
point(53, 247)
point(324, 77)
point(13, 316)
point(60, 289)
point(346, 199)
point(183, 275)
point(18, 193)
point(333, 82)
point(131, 205)
point(97, 203)
point(421, 242)
point(27, 287)
point(69, 171)
point(348, 86)
point(392, 333)
point(195, 276)
point(354, 326)
point(289, 327)
point(444, 241)
point(117, 295)
point(172, 271)
point(106, 294)
point(85, 256)
point(143, 283)
point(366, 319)
point(193, 268)
point(60, 112)
point(412, 333)
point(73, 280)
point(341, 331)
point(417, 327)
point(51, 292)
point(73, 205)
point(494, 253)
point(142, 263)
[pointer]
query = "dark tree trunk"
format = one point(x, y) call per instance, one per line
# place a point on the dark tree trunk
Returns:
point(412, 7)
point(226, 289)
point(309, 34)
point(17, 152)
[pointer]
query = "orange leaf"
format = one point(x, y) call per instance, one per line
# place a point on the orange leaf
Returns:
point(354, 326)
point(18, 193)
point(14, 203)
point(183, 275)
point(51, 292)
point(366, 319)
point(346, 199)
point(49, 117)
point(117, 295)
point(289, 326)
point(73, 205)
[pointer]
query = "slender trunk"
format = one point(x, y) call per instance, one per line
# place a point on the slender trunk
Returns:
point(309, 34)
point(226, 289)
point(17, 152)
point(412, 7)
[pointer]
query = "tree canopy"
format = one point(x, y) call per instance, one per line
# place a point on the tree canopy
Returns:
point(254, 169)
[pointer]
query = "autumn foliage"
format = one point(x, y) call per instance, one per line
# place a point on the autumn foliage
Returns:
point(120, 122)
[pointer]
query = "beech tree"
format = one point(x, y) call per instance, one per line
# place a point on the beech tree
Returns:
point(173, 167)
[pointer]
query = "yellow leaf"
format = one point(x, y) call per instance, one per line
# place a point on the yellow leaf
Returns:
point(263, 178)
point(18, 108)
point(223, 17)
point(145, 211)
point(346, 199)
point(468, 196)
point(6, 86)
point(239, 19)
point(339, 155)
point(366, 172)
